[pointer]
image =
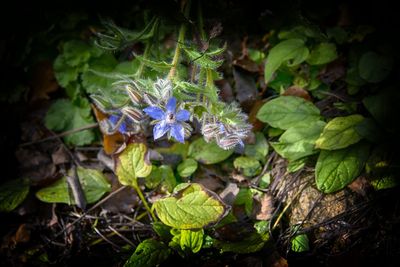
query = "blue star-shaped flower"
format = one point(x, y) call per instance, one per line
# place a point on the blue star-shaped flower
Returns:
point(169, 120)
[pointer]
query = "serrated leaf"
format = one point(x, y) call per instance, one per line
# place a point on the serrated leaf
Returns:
point(155, 65)
point(259, 150)
point(285, 112)
point(76, 52)
point(207, 153)
point(292, 49)
point(63, 115)
point(12, 194)
point(336, 169)
point(148, 253)
point(374, 67)
point(299, 141)
point(192, 207)
point(64, 73)
point(300, 243)
point(132, 163)
point(340, 132)
point(187, 167)
point(94, 185)
point(192, 240)
point(203, 60)
point(323, 53)
point(249, 166)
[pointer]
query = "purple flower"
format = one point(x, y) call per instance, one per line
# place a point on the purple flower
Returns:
point(117, 122)
point(170, 120)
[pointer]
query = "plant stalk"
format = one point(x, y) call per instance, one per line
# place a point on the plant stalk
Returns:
point(143, 199)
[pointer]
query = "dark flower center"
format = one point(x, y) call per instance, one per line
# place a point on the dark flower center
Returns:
point(170, 117)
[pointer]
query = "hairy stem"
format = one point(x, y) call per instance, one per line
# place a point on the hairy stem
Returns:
point(181, 40)
point(143, 199)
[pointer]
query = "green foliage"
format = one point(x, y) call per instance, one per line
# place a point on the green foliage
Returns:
point(191, 240)
point(300, 243)
point(64, 115)
point(292, 49)
point(245, 197)
point(149, 253)
point(336, 169)
point(296, 165)
point(323, 53)
point(12, 194)
point(285, 112)
point(192, 207)
point(252, 242)
point(187, 167)
point(248, 165)
point(259, 150)
point(374, 67)
point(204, 60)
point(94, 185)
point(299, 141)
point(132, 163)
point(161, 176)
point(207, 153)
point(340, 132)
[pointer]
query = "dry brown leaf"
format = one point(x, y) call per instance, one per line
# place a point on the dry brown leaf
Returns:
point(42, 80)
point(263, 207)
point(297, 91)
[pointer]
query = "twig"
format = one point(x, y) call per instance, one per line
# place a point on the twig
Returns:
point(86, 127)
point(121, 236)
point(105, 238)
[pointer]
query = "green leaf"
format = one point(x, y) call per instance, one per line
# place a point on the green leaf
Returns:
point(148, 253)
point(94, 185)
point(207, 153)
point(336, 169)
point(285, 112)
point(299, 141)
point(323, 53)
point(265, 180)
point(192, 207)
point(296, 165)
point(249, 166)
point(162, 230)
point(162, 175)
point(63, 115)
point(292, 49)
point(64, 73)
point(187, 167)
point(192, 240)
point(374, 67)
point(155, 65)
point(259, 150)
point(250, 243)
point(245, 197)
point(203, 60)
point(132, 163)
point(384, 106)
point(340, 132)
point(12, 194)
point(76, 52)
point(385, 182)
point(300, 243)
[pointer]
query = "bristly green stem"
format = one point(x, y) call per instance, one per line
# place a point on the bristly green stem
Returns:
point(143, 199)
point(181, 41)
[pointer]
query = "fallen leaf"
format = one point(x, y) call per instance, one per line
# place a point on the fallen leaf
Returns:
point(257, 124)
point(297, 91)
point(263, 207)
point(225, 90)
point(42, 80)
point(229, 194)
point(60, 156)
point(247, 64)
point(333, 71)
point(360, 186)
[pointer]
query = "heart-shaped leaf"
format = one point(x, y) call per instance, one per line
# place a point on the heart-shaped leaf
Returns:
point(192, 207)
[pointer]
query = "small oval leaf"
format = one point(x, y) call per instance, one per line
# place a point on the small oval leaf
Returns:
point(207, 153)
point(187, 167)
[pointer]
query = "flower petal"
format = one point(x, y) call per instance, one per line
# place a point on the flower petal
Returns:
point(160, 129)
point(171, 105)
point(178, 132)
point(183, 115)
point(155, 112)
point(123, 128)
point(114, 119)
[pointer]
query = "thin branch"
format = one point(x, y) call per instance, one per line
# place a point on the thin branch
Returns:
point(86, 127)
